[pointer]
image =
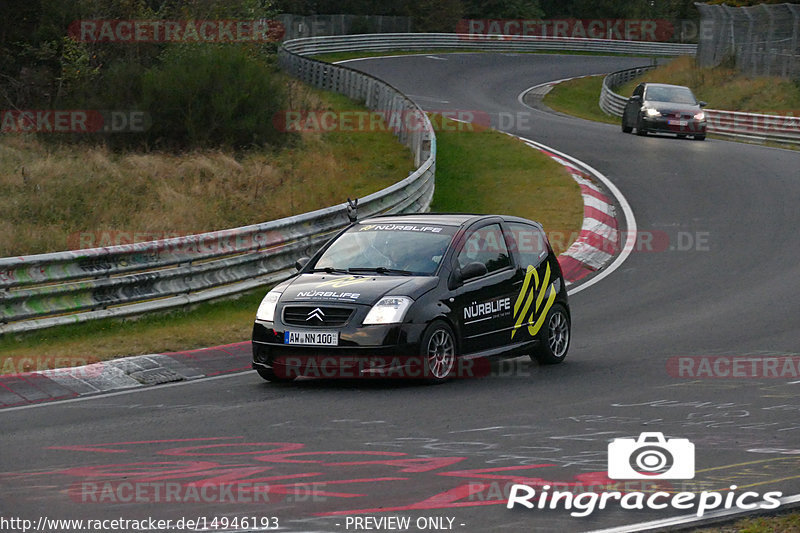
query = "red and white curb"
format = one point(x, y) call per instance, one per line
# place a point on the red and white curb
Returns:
point(598, 240)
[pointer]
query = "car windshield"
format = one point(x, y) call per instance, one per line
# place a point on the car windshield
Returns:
point(388, 249)
point(677, 95)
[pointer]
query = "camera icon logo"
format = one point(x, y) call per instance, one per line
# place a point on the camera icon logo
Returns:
point(651, 456)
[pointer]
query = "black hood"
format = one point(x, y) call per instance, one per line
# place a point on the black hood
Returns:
point(366, 290)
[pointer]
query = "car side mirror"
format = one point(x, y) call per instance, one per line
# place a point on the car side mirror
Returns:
point(471, 271)
point(702, 103)
point(300, 263)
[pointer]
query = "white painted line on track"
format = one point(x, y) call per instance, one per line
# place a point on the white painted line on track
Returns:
point(120, 393)
point(521, 96)
point(690, 519)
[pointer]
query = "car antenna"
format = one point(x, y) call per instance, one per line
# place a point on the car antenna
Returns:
point(352, 209)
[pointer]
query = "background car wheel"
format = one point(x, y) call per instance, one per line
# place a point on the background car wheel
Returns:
point(554, 337)
point(640, 129)
point(269, 375)
point(438, 351)
point(700, 137)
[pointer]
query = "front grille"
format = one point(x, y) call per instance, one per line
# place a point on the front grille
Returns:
point(316, 316)
point(678, 114)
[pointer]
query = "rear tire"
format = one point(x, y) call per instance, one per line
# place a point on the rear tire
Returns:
point(699, 137)
point(554, 337)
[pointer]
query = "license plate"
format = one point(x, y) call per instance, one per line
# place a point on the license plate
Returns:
point(313, 338)
point(678, 122)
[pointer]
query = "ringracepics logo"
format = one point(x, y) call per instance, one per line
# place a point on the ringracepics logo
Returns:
point(649, 457)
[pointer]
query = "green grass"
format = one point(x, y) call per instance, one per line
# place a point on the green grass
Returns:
point(479, 171)
point(579, 98)
point(486, 171)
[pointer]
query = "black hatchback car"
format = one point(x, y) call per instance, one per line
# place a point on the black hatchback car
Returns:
point(416, 296)
point(663, 108)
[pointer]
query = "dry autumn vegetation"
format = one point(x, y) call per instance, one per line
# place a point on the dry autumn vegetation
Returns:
point(56, 197)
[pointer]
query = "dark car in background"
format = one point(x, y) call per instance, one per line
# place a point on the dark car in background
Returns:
point(414, 296)
point(663, 108)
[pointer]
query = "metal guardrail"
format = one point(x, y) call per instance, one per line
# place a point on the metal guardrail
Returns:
point(45, 290)
point(486, 43)
point(736, 124)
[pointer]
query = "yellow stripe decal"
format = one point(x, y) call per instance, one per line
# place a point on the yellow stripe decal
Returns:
point(528, 301)
point(533, 330)
point(544, 284)
point(524, 288)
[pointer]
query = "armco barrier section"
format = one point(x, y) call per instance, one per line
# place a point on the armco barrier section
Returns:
point(51, 289)
point(486, 43)
point(746, 126)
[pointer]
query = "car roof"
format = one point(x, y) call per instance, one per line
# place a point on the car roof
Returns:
point(444, 219)
point(648, 84)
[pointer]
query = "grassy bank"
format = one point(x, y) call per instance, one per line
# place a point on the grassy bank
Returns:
point(579, 98)
point(477, 171)
point(724, 87)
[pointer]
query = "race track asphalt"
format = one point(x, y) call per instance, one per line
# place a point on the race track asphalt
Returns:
point(721, 281)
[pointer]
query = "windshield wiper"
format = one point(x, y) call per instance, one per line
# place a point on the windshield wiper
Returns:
point(330, 270)
point(381, 270)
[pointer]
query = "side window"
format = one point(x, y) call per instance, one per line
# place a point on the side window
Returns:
point(529, 242)
point(485, 245)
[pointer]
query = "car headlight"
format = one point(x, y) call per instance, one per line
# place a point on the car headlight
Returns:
point(700, 116)
point(652, 112)
point(389, 310)
point(266, 311)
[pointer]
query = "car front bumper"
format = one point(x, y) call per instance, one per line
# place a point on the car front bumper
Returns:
point(677, 126)
point(362, 351)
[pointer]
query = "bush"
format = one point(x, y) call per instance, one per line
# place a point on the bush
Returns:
point(204, 96)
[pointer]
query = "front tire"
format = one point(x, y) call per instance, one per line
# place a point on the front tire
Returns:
point(554, 337)
point(640, 129)
point(625, 127)
point(438, 352)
